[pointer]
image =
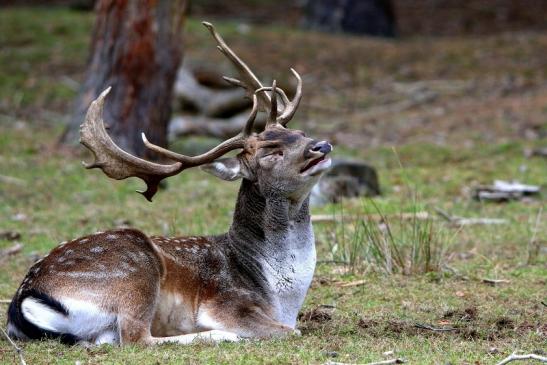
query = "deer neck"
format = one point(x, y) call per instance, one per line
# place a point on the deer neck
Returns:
point(267, 221)
point(274, 244)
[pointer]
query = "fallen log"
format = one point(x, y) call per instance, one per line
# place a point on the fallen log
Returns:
point(208, 102)
point(190, 125)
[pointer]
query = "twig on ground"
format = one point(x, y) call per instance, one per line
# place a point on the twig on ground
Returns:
point(5, 301)
point(15, 347)
point(544, 303)
point(435, 329)
point(351, 283)
point(384, 362)
point(494, 281)
point(515, 357)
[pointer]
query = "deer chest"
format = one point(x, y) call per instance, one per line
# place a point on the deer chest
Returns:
point(289, 273)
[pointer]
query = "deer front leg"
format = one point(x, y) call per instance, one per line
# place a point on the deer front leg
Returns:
point(134, 330)
point(248, 320)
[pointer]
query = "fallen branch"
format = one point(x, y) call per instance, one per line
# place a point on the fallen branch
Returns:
point(495, 281)
point(209, 102)
point(384, 362)
point(461, 221)
point(515, 357)
point(5, 301)
point(327, 218)
point(15, 347)
point(351, 283)
point(504, 191)
point(189, 125)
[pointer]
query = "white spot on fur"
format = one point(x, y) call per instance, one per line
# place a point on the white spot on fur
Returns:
point(84, 240)
point(112, 236)
point(98, 275)
point(97, 249)
point(126, 266)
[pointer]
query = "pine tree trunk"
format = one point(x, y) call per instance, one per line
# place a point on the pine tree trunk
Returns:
point(136, 48)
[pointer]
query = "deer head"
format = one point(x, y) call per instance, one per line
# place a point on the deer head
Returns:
point(280, 160)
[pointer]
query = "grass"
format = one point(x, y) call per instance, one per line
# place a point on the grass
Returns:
point(402, 243)
point(59, 200)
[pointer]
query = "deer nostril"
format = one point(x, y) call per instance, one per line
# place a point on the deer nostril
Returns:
point(323, 147)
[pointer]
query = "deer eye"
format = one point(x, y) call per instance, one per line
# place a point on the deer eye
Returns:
point(274, 153)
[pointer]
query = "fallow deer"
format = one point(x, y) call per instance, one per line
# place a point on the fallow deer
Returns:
point(122, 286)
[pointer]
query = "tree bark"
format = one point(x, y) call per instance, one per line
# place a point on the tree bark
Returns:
point(136, 48)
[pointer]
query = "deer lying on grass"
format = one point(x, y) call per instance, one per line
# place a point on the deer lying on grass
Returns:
point(122, 286)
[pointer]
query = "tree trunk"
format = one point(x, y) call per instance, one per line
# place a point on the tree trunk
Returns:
point(372, 17)
point(136, 48)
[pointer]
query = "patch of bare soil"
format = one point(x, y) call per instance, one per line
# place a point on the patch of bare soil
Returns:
point(315, 319)
point(464, 323)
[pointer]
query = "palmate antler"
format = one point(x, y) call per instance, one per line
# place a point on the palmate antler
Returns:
point(118, 164)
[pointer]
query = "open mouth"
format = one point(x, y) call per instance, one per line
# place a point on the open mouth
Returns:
point(316, 166)
point(312, 163)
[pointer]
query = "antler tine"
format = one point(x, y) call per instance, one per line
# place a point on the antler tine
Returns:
point(248, 130)
point(248, 79)
point(233, 143)
point(290, 107)
point(279, 90)
point(272, 119)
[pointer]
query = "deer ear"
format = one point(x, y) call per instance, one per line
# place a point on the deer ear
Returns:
point(228, 168)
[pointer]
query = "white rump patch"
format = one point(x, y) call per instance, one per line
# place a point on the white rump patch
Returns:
point(85, 320)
